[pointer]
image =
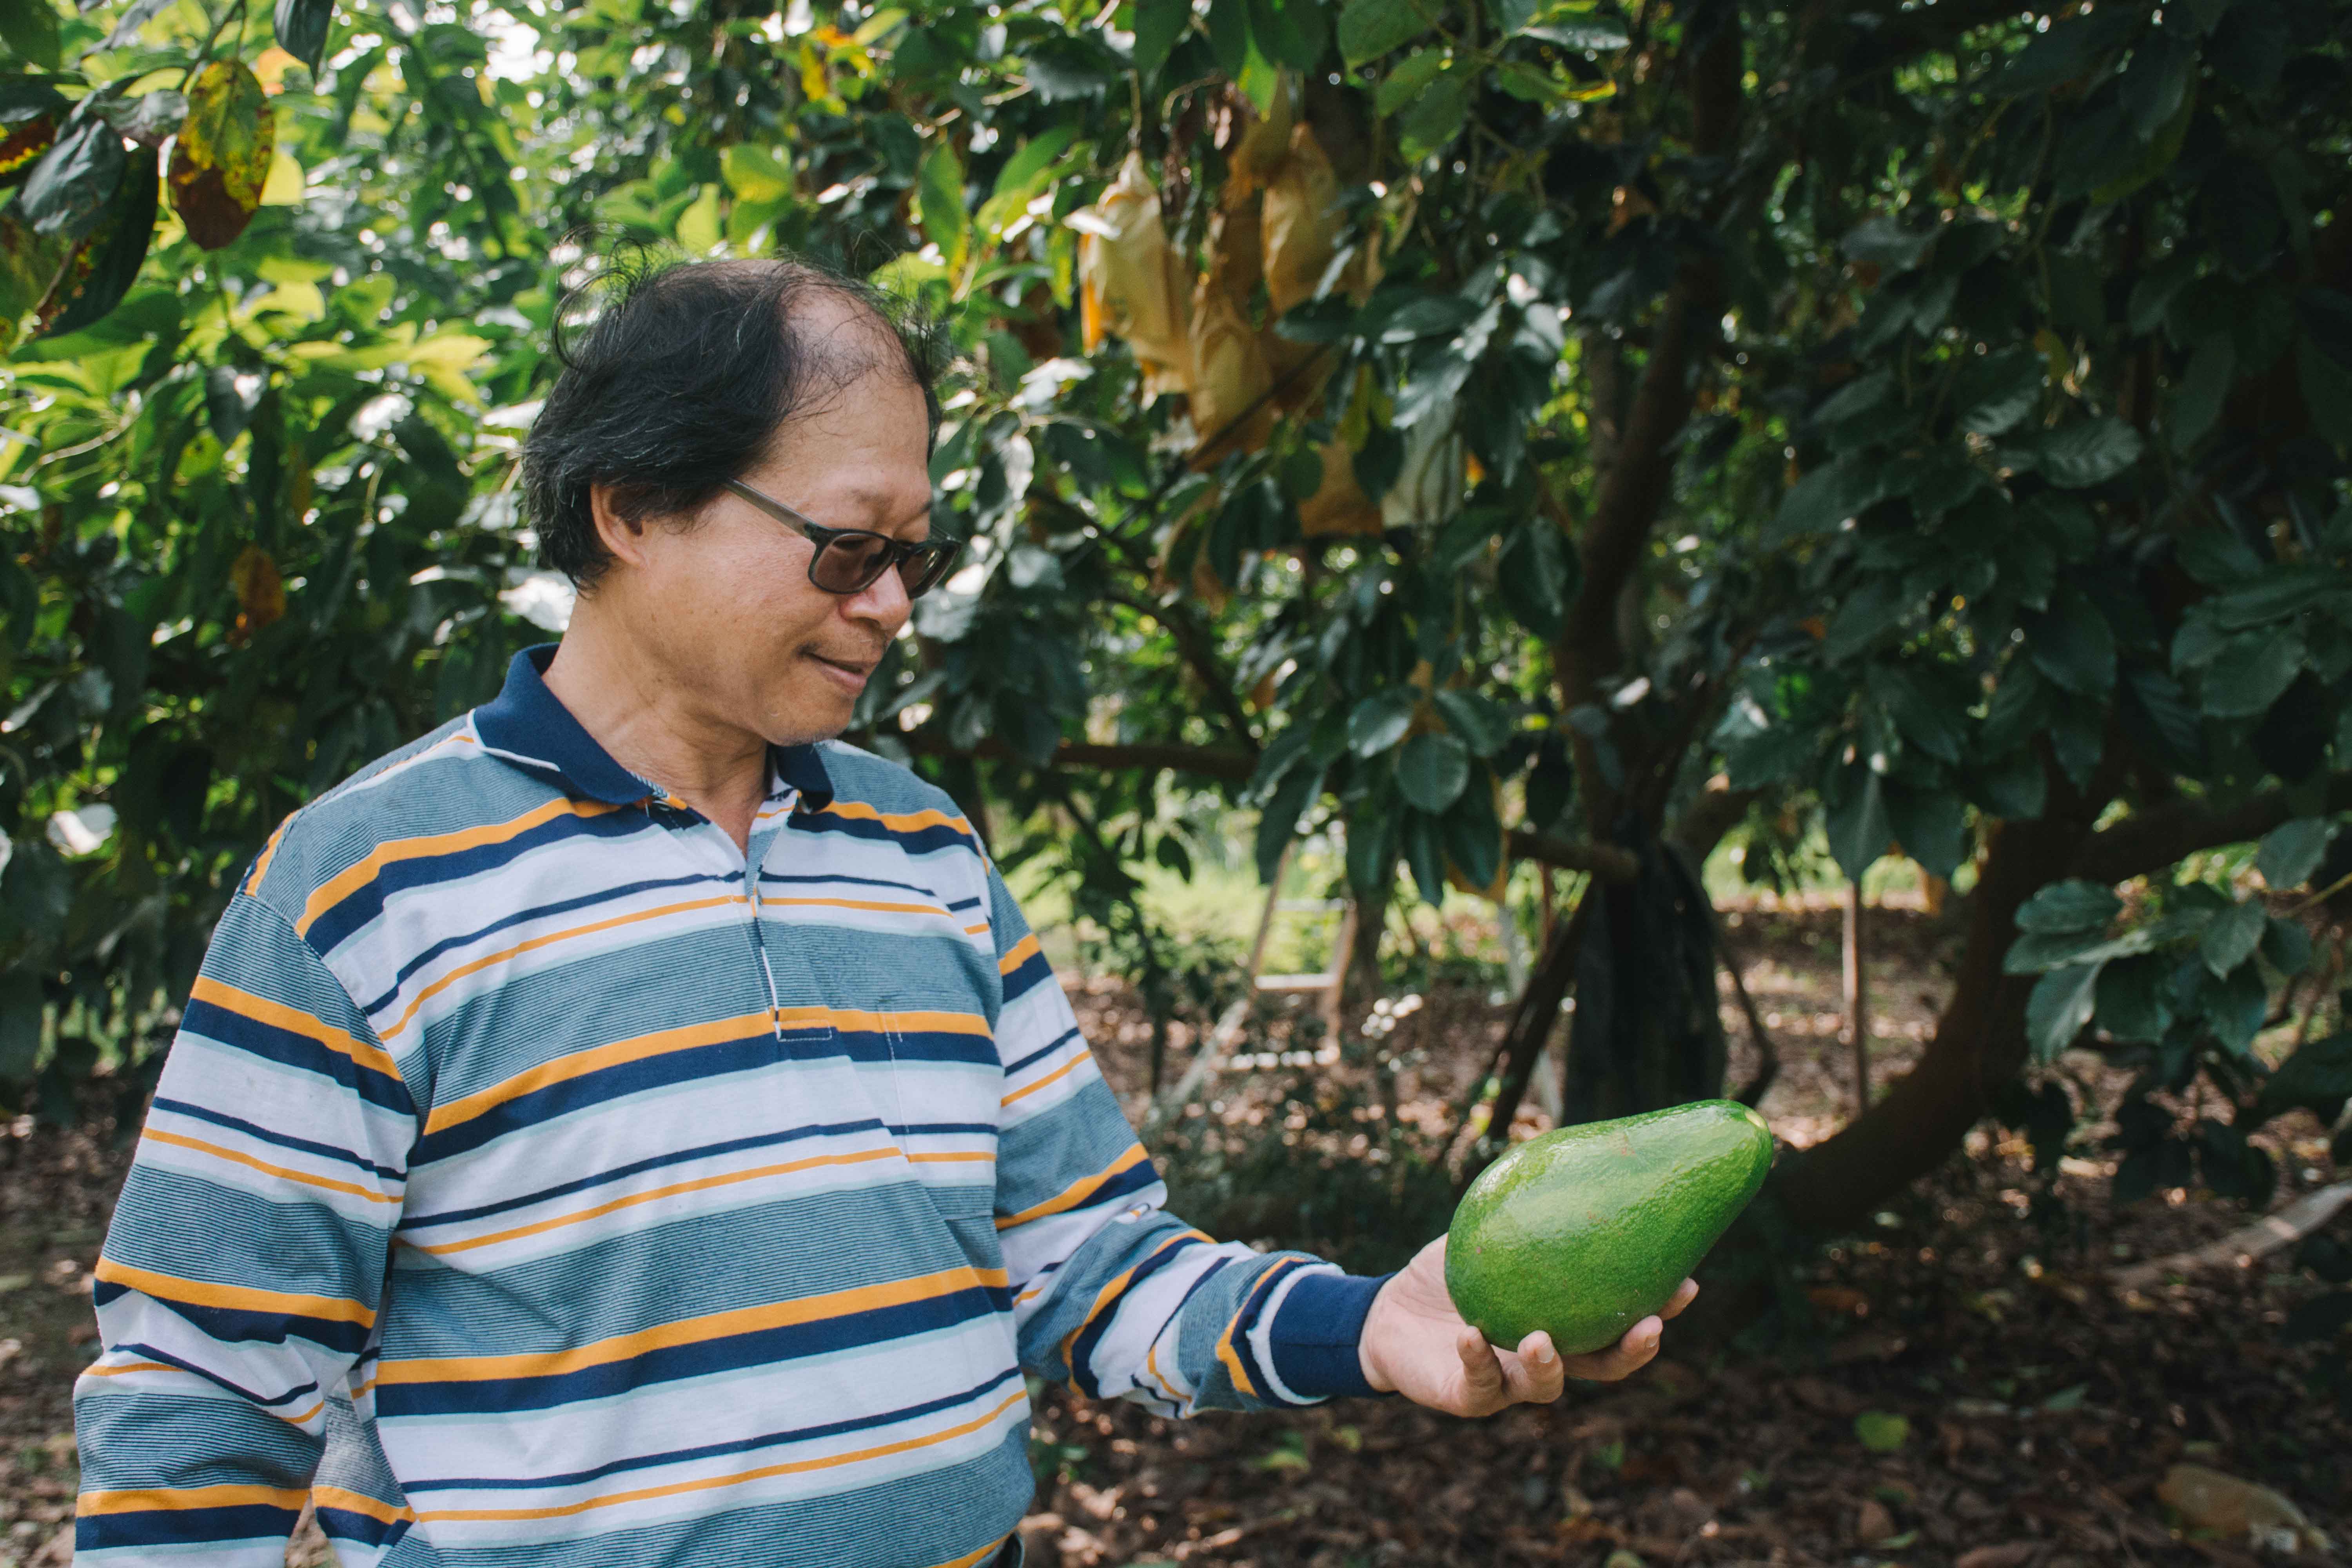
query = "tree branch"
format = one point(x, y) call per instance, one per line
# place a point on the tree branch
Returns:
point(1192, 644)
point(1605, 861)
point(2153, 839)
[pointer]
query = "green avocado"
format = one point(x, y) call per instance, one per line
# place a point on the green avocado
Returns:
point(1585, 1231)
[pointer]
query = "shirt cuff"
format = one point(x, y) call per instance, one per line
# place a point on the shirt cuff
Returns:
point(1317, 1332)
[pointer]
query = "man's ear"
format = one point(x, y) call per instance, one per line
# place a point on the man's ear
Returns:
point(622, 539)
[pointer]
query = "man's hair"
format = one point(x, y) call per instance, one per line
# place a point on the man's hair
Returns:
point(677, 377)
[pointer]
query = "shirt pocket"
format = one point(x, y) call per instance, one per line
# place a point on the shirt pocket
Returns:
point(944, 1079)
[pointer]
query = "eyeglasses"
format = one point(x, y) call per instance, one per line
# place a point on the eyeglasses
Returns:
point(852, 560)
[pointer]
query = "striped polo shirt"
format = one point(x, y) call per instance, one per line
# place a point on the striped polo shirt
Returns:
point(539, 1179)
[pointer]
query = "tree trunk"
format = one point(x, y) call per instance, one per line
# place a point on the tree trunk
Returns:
point(1857, 999)
point(1978, 1044)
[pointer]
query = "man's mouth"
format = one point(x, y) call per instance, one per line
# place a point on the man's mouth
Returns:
point(851, 673)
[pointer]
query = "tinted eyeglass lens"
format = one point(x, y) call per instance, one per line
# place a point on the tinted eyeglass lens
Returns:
point(848, 563)
point(921, 573)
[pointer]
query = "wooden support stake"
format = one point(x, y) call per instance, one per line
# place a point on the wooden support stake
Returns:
point(1857, 998)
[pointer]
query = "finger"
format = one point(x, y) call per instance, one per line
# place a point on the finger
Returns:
point(1482, 1374)
point(1684, 1293)
point(1624, 1357)
point(1537, 1377)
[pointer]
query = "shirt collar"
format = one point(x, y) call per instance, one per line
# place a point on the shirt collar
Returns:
point(528, 724)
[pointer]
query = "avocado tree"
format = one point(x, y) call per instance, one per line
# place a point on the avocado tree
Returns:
point(1530, 429)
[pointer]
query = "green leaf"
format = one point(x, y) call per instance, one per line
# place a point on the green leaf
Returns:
point(2250, 672)
point(301, 26)
point(2089, 452)
point(2197, 399)
point(1858, 826)
point(1279, 821)
point(1423, 845)
point(1824, 498)
point(67, 189)
point(2014, 786)
point(1436, 118)
point(2291, 852)
point(1881, 1431)
point(1585, 37)
point(939, 197)
point(1884, 241)
point(2286, 946)
point(2060, 1008)
point(2072, 644)
point(1380, 721)
point(1478, 720)
point(1927, 718)
point(1932, 826)
point(1371, 28)
point(2276, 594)
point(1996, 393)
point(2232, 937)
point(758, 174)
point(2317, 1077)
point(106, 263)
point(2069, 906)
point(1432, 771)
point(1404, 83)
point(30, 27)
point(1158, 24)
point(2135, 1001)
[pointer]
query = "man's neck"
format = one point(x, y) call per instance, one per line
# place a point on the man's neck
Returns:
point(646, 718)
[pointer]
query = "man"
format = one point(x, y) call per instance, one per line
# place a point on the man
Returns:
point(638, 1129)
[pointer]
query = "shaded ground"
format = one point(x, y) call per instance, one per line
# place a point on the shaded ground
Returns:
point(2040, 1409)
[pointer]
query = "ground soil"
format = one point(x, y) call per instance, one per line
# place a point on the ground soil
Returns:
point(2040, 1409)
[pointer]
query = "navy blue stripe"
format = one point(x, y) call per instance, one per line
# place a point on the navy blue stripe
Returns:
point(299, 1145)
point(206, 1527)
point(918, 841)
point(1042, 1053)
point(1032, 969)
point(396, 1401)
point(747, 1053)
point(928, 1045)
point(364, 903)
point(563, 906)
point(1082, 1350)
point(638, 1168)
point(342, 1524)
point(151, 1353)
point(741, 1446)
point(231, 1323)
point(298, 1051)
point(1134, 1179)
point(781, 879)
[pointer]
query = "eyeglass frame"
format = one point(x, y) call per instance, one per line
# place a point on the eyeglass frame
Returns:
point(896, 552)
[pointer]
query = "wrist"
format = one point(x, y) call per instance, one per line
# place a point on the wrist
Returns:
point(1367, 1346)
point(1318, 1333)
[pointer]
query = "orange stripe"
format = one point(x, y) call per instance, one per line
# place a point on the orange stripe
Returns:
point(299, 1420)
point(1104, 1297)
point(1152, 1366)
point(701, 1184)
point(178, 1499)
point(582, 1063)
point(175, 1140)
point(1226, 1351)
point(359, 1502)
point(979, 930)
point(269, 853)
point(408, 1015)
point(234, 1298)
point(852, 1020)
point(1073, 1194)
point(970, 1558)
point(1035, 1084)
point(689, 1331)
point(1022, 950)
point(335, 889)
point(127, 1366)
point(854, 904)
point(294, 1021)
point(902, 822)
point(680, 1488)
point(948, 1159)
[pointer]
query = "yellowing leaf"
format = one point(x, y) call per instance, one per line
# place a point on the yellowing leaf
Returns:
point(1230, 378)
point(1129, 280)
point(1338, 505)
point(260, 593)
point(1301, 223)
point(221, 160)
point(284, 186)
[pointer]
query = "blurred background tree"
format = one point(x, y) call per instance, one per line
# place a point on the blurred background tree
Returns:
point(1515, 431)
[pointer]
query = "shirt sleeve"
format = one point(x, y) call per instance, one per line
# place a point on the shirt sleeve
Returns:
point(241, 1277)
point(1110, 1291)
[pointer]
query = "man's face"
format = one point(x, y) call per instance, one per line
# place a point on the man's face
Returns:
point(727, 604)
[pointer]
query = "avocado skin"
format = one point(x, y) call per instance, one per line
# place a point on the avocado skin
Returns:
point(1585, 1231)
